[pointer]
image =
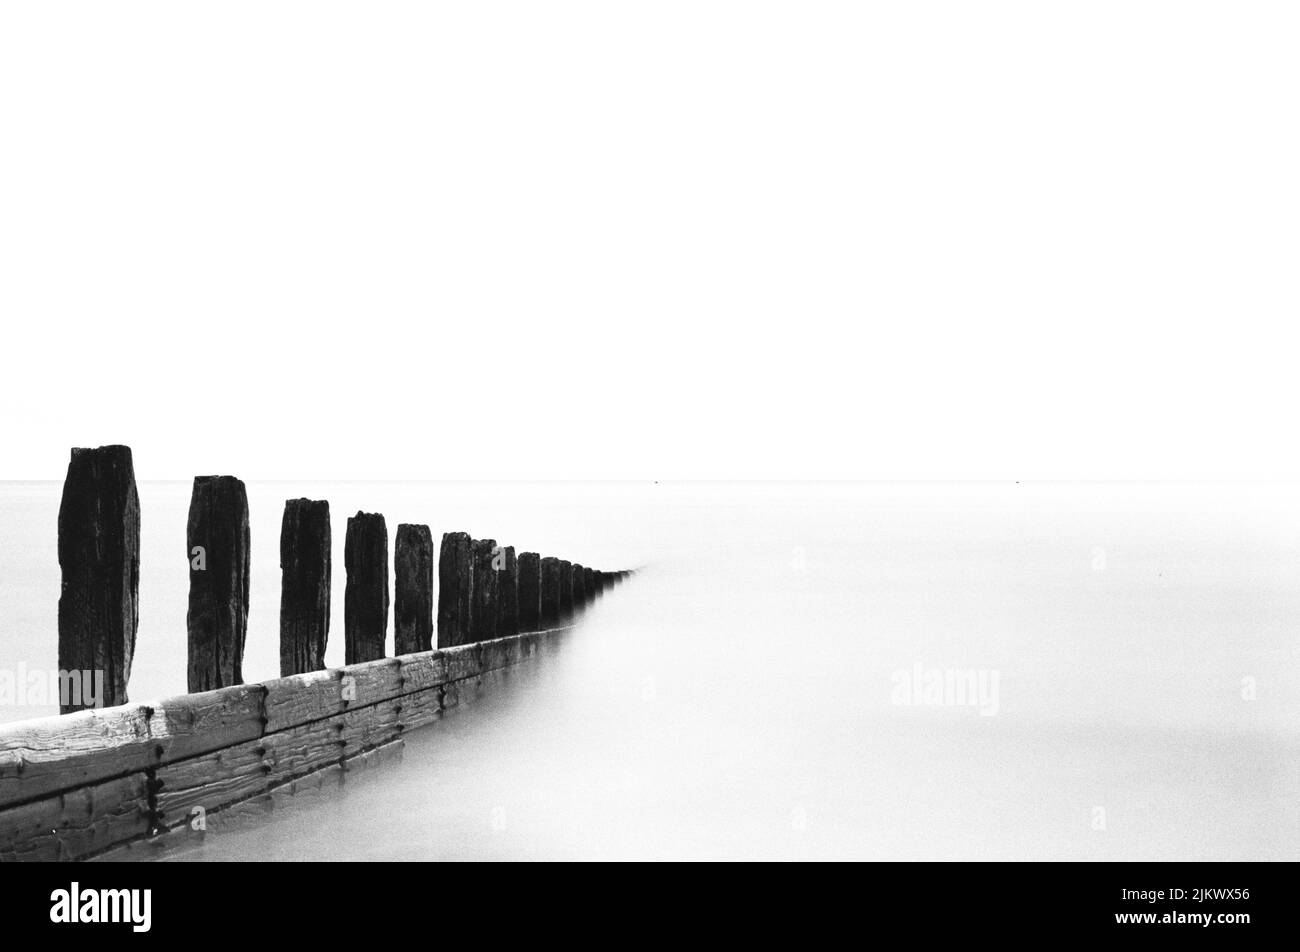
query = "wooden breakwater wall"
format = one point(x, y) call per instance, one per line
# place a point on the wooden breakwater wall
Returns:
point(106, 772)
point(75, 785)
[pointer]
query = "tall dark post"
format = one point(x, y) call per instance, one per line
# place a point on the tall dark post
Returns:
point(365, 598)
point(589, 584)
point(216, 544)
point(566, 590)
point(551, 571)
point(304, 585)
point(455, 590)
point(99, 555)
point(598, 580)
point(483, 616)
point(530, 591)
point(579, 586)
point(413, 599)
point(508, 596)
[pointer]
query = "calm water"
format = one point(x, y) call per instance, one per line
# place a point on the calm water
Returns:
point(741, 697)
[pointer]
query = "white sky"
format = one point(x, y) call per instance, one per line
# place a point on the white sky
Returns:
point(651, 240)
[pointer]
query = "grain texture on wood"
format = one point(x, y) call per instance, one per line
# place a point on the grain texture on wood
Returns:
point(413, 560)
point(304, 586)
point(365, 597)
point(455, 590)
point(76, 824)
point(216, 545)
point(194, 724)
point(486, 564)
point(48, 754)
point(99, 557)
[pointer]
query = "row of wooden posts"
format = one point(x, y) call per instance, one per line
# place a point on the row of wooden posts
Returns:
point(485, 591)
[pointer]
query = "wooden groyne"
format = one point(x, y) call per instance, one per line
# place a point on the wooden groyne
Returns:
point(106, 772)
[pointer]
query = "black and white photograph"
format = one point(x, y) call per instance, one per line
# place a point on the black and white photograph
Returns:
point(585, 432)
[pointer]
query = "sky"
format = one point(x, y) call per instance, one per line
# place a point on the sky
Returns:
point(668, 240)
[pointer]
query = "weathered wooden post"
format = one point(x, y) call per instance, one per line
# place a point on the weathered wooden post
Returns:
point(216, 544)
point(530, 591)
point(579, 586)
point(589, 588)
point(99, 556)
point(365, 596)
point(508, 596)
point(483, 616)
point(598, 579)
point(413, 599)
point(455, 589)
point(566, 589)
point(551, 599)
point(304, 585)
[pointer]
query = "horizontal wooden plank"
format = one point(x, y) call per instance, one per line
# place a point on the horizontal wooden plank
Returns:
point(210, 781)
point(193, 724)
point(371, 726)
point(428, 669)
point(372, 681)
point(48, 754)
point(420, 708)
point(501, 653)
point(462, 661)
point(302, 698)
point(73, 825)
point(304, 749)
point(457, 694)
point(62, 793)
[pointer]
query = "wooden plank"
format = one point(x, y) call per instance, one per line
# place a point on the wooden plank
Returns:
point(500, 653)
point(302, 698)
point(371, 726)
point(303, 749)
point(457, 694)
point(195, 724)
point(49, 754)
point(210, 781)
point(463, 662)
point(420, 709)
point(422, 671)
point(371, 681)
point(76, 824)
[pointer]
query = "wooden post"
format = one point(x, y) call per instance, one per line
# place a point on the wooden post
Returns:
point(304, 585)
point(413, 598)
point(216, 544)
point(455, 589)
point(530, 591)
point(579, 586)
point(483, 616)
point(508, 597)
point(551, 599)
point(365, 596)
point(99, 556)
point(589, 584)
point(598, 579)
point(566, 590)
